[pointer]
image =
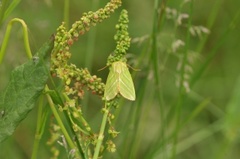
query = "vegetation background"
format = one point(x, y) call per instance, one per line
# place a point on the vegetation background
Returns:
point(165, 121)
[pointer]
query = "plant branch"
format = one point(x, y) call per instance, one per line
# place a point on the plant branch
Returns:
point(101, 133)
point(60, 123)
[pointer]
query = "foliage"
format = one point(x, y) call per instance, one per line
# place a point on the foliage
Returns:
point(186, 89)
point(25, 86)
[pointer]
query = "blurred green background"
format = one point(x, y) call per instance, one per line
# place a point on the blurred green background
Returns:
point(211, 107)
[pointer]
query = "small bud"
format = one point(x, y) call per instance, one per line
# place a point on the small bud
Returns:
point(70, 42)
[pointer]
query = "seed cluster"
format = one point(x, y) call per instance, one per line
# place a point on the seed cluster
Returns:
point(122, 39)
point(74, 78)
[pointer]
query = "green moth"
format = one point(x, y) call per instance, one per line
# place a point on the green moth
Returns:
point(119, 81)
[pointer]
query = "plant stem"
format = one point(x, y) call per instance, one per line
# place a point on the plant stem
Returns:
point(60, 123)
point(38, 134)
point(8, 10)
point(7, 35)
point(2, 10)
point(66, 13)
point(91, 42)
point(101, 133)
point(212, 18)
point(157, 22)
point(214, 50)
point(182, 92)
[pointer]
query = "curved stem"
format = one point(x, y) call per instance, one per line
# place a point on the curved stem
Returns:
point(7, 35)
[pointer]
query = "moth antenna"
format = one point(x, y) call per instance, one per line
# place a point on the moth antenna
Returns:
point(102, 68)
point(134, 69)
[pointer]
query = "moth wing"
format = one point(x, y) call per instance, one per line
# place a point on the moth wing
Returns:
point(126, 86)
point(111, 87)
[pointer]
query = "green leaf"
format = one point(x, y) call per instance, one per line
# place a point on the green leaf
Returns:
point(26, 83)
point(119, 81)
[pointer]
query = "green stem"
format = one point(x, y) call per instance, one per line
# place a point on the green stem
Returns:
point(60, 123)
point(66, 13)
point(67, 117)
point(101, 133)
point(157, 24)
point(7, 35)
point(91, 42)
point(211, 20)
point(82, 119)
point(38, 134)
point(214, 51)
point(2, 10)
point(182, 89)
